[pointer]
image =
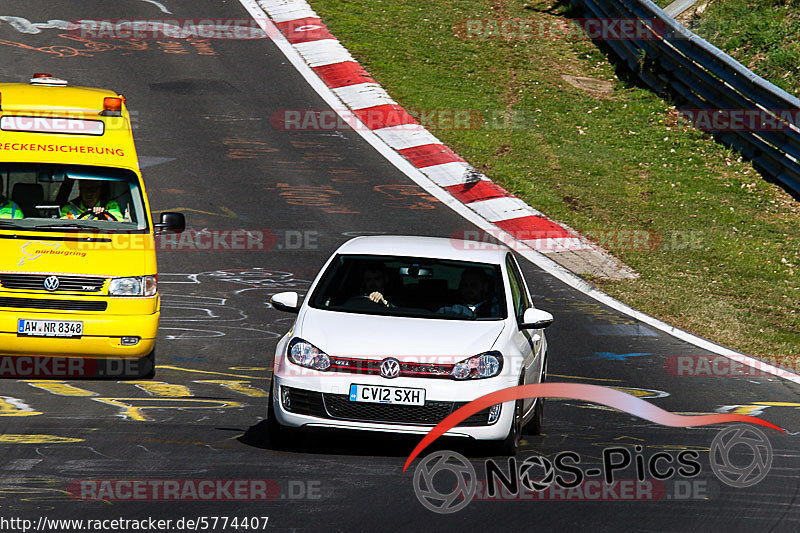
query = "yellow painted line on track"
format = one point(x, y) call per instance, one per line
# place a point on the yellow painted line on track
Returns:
point(60, 388)
point(131, 408)
point(226, 213)
point(168, 367)
point(36, 439)
point(15, 407)
point(242, 387)
point(160, 388)
point(581, 377)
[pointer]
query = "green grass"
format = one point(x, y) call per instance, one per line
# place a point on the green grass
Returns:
point(609, 161)
point(763, 35)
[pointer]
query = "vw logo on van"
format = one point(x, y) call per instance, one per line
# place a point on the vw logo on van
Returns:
point(390, 368)
point(51, 283)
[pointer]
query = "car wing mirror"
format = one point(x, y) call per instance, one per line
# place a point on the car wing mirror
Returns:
point(286, 301)
point(535, 319)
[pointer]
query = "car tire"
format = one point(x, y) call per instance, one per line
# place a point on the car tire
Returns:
point(509, 446)
point(534, 426)
point(148, 366)
point(279, 436)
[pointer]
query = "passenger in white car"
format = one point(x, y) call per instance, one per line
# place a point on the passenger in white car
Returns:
point(476, 296)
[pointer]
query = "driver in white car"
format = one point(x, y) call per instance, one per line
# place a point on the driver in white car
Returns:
point(374, 282)
point(89, 203)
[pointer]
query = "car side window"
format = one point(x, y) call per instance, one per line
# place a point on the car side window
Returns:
point(518, 294)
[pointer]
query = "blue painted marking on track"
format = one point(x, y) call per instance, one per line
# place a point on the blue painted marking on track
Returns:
point(609, 356)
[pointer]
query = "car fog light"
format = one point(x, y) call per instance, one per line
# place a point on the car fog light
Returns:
point(494, 413)
point(286, 400)
point(130, 341)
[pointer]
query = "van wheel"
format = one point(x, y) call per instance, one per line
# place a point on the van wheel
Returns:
point(147, 365)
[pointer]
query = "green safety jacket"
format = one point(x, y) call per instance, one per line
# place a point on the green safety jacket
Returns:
point(10, 210)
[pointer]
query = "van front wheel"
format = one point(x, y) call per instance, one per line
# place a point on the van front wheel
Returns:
point(147, 366)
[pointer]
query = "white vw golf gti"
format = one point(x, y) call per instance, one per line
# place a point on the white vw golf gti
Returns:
point(398, 332)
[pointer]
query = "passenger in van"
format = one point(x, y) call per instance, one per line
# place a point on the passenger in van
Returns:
point(9, 209)
point(90, 200)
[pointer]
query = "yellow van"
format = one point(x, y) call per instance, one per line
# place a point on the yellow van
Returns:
point(78, 278)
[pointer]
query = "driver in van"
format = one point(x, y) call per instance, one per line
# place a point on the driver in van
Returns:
point(90, 204)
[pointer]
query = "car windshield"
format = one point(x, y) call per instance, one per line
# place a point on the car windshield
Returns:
point(47, 196)
point(412, 287)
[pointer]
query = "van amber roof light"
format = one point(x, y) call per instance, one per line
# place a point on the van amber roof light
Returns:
point(112, 106)
point(42, 75)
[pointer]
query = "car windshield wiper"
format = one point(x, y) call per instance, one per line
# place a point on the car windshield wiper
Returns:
point(68, 225)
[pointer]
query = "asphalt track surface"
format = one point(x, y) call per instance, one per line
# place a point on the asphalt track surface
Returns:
point(203, 125)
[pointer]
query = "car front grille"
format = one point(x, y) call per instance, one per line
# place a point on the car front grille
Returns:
point(355, 365)
point(35, 282)
point(61, 305)
point(339, 407)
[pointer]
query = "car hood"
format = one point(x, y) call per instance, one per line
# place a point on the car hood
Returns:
point(353, 334)
point(107, 255)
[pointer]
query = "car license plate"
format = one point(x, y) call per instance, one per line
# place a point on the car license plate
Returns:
point(49, 328)
point(381, 394)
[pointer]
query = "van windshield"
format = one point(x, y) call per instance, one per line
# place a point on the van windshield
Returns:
point(47, 196)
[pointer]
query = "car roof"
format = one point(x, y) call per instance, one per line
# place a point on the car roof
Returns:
point(433, 247)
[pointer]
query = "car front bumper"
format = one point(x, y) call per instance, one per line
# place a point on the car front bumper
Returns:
point(321, 400)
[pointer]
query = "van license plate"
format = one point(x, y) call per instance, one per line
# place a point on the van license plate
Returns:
point(49, 328)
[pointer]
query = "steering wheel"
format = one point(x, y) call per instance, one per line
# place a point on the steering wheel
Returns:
point(95, 216)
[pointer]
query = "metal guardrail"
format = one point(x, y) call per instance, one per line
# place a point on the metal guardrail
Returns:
point(707, 79)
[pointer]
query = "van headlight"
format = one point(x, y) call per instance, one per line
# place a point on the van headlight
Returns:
point(306, 354)
point(485, 365)
point(133, 286)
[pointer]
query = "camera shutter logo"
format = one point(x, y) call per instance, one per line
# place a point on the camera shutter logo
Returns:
point(727, 469)
point(51, 283)
point(454, 464)
point(390, 368)
point(525, 474)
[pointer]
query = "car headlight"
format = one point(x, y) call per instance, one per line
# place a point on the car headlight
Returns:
point(306, 354)
point(485, 365)
point(134, 286)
